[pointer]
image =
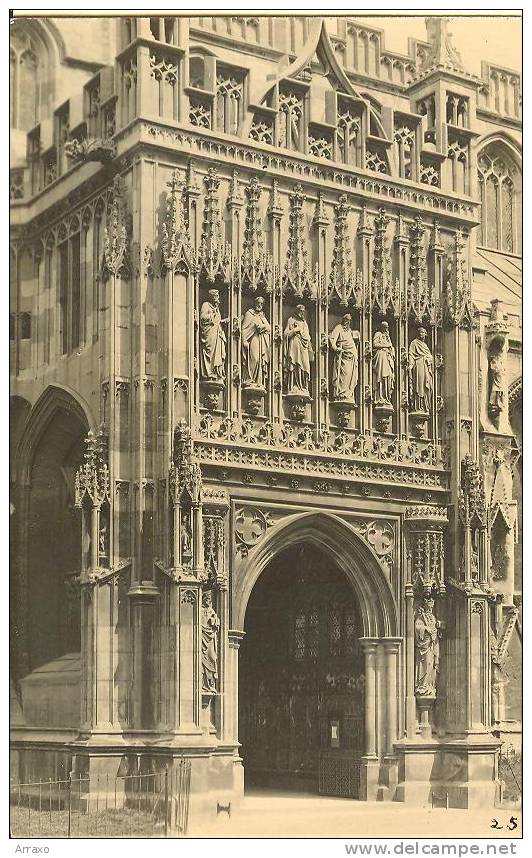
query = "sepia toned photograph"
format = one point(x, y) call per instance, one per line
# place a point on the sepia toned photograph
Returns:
point(265, 420)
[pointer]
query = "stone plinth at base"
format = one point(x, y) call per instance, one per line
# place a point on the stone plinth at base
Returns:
point(369, 778)
point(461, 773)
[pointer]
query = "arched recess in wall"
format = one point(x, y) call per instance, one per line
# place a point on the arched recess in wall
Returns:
point(46, 599)
point(500, 191)
point(34, 55)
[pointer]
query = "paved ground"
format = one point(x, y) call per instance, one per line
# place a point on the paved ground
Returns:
point(276, 814)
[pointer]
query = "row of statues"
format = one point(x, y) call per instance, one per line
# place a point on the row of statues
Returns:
point(298, 355)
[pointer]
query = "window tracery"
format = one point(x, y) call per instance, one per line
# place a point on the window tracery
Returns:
point(348, 131)
point(499, 185)
point(290, 119)
point(229, 99)
point(26, 63)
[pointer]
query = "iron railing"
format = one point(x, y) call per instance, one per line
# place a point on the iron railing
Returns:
point(339, 775)
point(510, 773)
point(154, 804)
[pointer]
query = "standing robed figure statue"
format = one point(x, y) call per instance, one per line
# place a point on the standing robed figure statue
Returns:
point(343, 341)
point(256, 331)
point(383, 365)
point(420, 368)
point(297, 353)
point(212, 339)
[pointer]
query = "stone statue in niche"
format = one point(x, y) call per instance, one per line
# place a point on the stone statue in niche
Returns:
point(475, 565)
point(256, 333)
point(498, 682)
point(210, 627)
point(499, 562)
point(421, 373)
point(427, 649)
point(343, 341)
point(212, 339)
point(103, 537)
point(298, 354)
point(496, 384)
point(186, 538)
point(384, 366)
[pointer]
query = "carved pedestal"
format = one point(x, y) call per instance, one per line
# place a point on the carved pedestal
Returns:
point(210, 391)
point(383, 412)
point(425, 707)
point(418, 423)
point(207, 713)
point(297, 404)
point(343, 408)
point(254, 397)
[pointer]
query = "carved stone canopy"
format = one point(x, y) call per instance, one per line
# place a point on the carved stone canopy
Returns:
point(185, 472)
point(472, 497)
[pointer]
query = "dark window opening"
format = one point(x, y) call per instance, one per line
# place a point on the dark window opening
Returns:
point(169, 31)
point(25, 326)
point(63, 295)
point(196, 72)
point(76, 291)
point(155, 25)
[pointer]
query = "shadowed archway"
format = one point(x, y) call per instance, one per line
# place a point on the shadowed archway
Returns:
point(315, 606)
point(346, 547)
point(46, 600)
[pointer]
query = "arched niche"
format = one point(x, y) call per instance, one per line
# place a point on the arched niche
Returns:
point(46, 599)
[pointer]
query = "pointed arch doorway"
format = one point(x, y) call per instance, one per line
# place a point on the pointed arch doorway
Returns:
point(46, 599)
point(301, 706)
point(352, 746)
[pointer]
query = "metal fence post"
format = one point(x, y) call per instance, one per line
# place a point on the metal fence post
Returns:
point(166, 801)
point(69, 791)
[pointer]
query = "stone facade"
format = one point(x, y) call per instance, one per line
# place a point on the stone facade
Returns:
point(264, 294)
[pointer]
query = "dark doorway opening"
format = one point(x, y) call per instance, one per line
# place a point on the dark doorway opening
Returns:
point(54, 542)
point(301, 677)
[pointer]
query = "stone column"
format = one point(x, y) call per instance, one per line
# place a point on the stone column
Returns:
point(365, 384)
point(410, 663)
point(234, 637)
point(391, 649)
point(188, 634)
point(99, 696)
point(369, 647)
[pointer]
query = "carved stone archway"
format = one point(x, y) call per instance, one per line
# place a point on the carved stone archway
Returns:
point(380, 640)
point(44, 520)
point(339, 539)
